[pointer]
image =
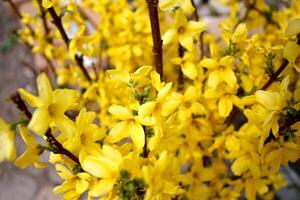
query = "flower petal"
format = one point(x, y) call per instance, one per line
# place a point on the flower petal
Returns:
point(137, 135)
point(40, 121)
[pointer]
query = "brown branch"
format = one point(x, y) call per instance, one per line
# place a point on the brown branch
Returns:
point(18, 13)
point(180, 75)
point(16, 98)
point(201, 37)
point(60, 148)
point(58, 23)
point(283, 65)
point(145, 148)
point(157, 42)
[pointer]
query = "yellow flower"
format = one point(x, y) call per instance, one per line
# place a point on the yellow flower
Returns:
point(187, 66)
point(74, 185)
point(183, 31)
point(104, 165)
point(87, 134)
point(51, 106)
point(129, 126)
point(32, 153)
point(157, 185)
point(221, 71)
point(7, 150)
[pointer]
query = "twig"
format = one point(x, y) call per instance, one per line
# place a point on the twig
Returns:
point(283, 65)
point(18, 13)
point(16, 98)
point(157, 42)
point(201, 37)
point(60, 148)
point(180, 75)
point(58, 23)
point(145, 148)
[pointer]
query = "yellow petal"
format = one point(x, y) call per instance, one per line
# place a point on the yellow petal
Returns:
point(240, 165)
point(166, 4)
point(209, 63)
point(120, 75)
point(170, 107)
point(137, 135)
point(27, 158)
point(224, 106)
point(65, 99)
point(97, 166)
point(228, 76)
point(195, 28)
point(146, 109)
point(164, 92)
point(187, 6)
point(240, 33)
point(207, 174)
point(120, 112)
point(270, 100)
point(81, 186)
point(102, 187)
point(44, 88)
point(189, 70)
point(40, 121)
point(169, 36)
point(118, 132)
point(27, 137)
point(293, 28)
point(232, 143)
point(63, 172)
point(32, 100)
point(213, 79)
point(186, 41)
point(112, 154)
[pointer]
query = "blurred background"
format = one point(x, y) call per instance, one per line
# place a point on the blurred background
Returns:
point(17, 70)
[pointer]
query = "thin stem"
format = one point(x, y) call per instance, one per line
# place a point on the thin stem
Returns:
point(201, 37)
point(180, 75)
point(283, 65)
point(157, 42)
point(60, 148)
point(16, 98)
point(58, 23)
point(145, 148)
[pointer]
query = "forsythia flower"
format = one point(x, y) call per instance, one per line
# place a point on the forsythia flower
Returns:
point(183, 31)
point(51, 106)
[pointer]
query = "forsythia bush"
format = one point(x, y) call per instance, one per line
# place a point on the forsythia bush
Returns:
point(148, 103)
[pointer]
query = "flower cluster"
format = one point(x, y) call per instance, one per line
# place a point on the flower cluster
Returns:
point(204, 116)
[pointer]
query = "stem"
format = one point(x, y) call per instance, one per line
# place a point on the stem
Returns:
point(60, 148)
point(157, 42)
point(145, 148)
point(180, 75)
point(283, 65)
point(16, 98)
point(196, 17)
point(58, 23)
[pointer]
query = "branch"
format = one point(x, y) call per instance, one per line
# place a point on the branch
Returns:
point(180, 75)
point(283, 65)
point(16, 98)
point(196, 17)
point(157, 42)
point(58, 23)
point(18, 13)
